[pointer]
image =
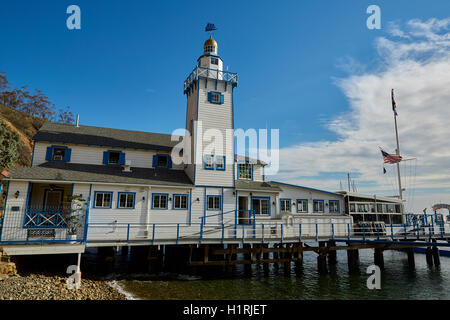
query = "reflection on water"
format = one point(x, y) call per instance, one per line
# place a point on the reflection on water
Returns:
point(398, 281)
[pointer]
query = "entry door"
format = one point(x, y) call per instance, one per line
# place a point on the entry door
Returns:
point(53, 199)
point(243, 210)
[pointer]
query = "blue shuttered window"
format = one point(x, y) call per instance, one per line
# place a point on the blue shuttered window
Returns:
point(58, 153)
point(215, 97)
point(162, 161)
point(114, 158)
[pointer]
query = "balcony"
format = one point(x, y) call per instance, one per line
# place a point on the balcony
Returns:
point(213, 74)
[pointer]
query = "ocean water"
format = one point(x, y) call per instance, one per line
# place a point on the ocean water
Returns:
point(398, 281)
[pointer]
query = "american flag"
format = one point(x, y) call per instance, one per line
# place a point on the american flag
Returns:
point(394, 105)
point(390, 158)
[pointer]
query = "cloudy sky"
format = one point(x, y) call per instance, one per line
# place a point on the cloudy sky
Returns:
point(413, 58)
point(311, 69)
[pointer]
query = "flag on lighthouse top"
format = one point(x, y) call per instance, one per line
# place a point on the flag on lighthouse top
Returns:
point(210, 27)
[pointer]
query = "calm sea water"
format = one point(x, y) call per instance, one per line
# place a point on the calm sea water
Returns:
point(398, 281)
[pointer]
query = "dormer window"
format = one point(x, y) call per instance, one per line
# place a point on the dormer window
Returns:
point(58, 154)
point(214, 61)
point(114, 158)
point(162, 161)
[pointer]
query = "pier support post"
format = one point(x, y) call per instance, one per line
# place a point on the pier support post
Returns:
point(411, 262)
point(436, 258)
point(353, 260)
point(287, 255)
point(332, 255)
point(429, 256)
point(124, 250)
point(247, 257)
point(265, 256)
point(322, 259)
point(298, 254)
point(378, 257)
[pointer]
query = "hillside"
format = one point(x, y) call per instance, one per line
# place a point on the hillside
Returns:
point(26, 126)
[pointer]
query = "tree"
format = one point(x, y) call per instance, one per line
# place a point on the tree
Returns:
point(9, 146)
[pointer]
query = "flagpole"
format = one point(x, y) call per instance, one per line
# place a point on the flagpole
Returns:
point(398, 151)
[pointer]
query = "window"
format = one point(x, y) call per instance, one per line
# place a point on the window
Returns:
point(180, 201)
point(209, 162)
point(209, 49)
point(214, 202)
point(302, 205)
point(318, 206)
point(162, 161)
point(245, 171)
point(159, 201)
point(58, 153)
point(334, 206)
point(352, 207)
point(103, 199)
point(215, 97)
point(261, 206)
point(214, 61)
point(114, 157)
point(220, 163)
point(285, 205)
point(126, 200)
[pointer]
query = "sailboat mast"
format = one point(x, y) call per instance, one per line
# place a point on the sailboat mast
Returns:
point(398, 151)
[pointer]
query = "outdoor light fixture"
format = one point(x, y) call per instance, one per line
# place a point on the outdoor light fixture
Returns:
point(198, 199)
point(170, 199)
point(143, 198)
point(17, 194)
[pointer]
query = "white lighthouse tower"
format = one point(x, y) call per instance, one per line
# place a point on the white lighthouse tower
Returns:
point(209, 120)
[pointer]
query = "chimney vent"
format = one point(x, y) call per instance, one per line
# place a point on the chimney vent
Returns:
point(78, 120)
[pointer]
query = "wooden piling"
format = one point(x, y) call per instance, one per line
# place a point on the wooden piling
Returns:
point(436, 258)
point(378, 257)
point(322, 259)
point(429, 256)
point(332, 255)
point(411, 262)
point(353, 260)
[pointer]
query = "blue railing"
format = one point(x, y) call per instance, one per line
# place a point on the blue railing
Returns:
point(46, 217)
point(214, 74)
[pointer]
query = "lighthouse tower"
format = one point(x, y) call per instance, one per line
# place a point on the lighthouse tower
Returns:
point(209, 120)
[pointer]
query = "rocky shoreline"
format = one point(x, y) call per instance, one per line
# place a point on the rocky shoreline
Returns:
point(41, 286)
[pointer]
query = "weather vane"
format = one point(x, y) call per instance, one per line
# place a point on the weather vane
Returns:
point(210, 27)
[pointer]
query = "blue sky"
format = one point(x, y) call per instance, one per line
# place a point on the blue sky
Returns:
point(125, 68)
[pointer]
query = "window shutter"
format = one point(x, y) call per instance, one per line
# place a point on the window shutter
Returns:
point(221, 99)
point(209, 96)
point(105, 157)
point(169, 162)
point(68, 155)
point(155, 161)
point(48, 155)
point(122, 158)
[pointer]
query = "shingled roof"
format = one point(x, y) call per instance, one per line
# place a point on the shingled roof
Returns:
point(256, 185)
point(75, 172)
point(97, 136)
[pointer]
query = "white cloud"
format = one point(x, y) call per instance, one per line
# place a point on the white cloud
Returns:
point(417, 66)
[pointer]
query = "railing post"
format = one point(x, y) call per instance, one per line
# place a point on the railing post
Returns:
point(300, 232)
point(223, 232)
point(201, 230)
point(243, 233)
point(364, 231)
point(378, 231)
point(281, 233)
point(178, 232)
point(128, 233)
point(317, 232)
point(404, 229)
point(262, 232)
point(332, 231)
point(348, 231)
point(153, 234)
point(392, 231)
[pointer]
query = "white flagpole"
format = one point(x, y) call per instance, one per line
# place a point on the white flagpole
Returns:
point(398, 151)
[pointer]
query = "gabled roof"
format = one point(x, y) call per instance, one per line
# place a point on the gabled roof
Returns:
point(75, 172)
point(88, 135)
point(306, 188)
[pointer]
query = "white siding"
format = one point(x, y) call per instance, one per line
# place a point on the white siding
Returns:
point(218, 117)
point(293, 194)
point(13, 221)
point(94, 155)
